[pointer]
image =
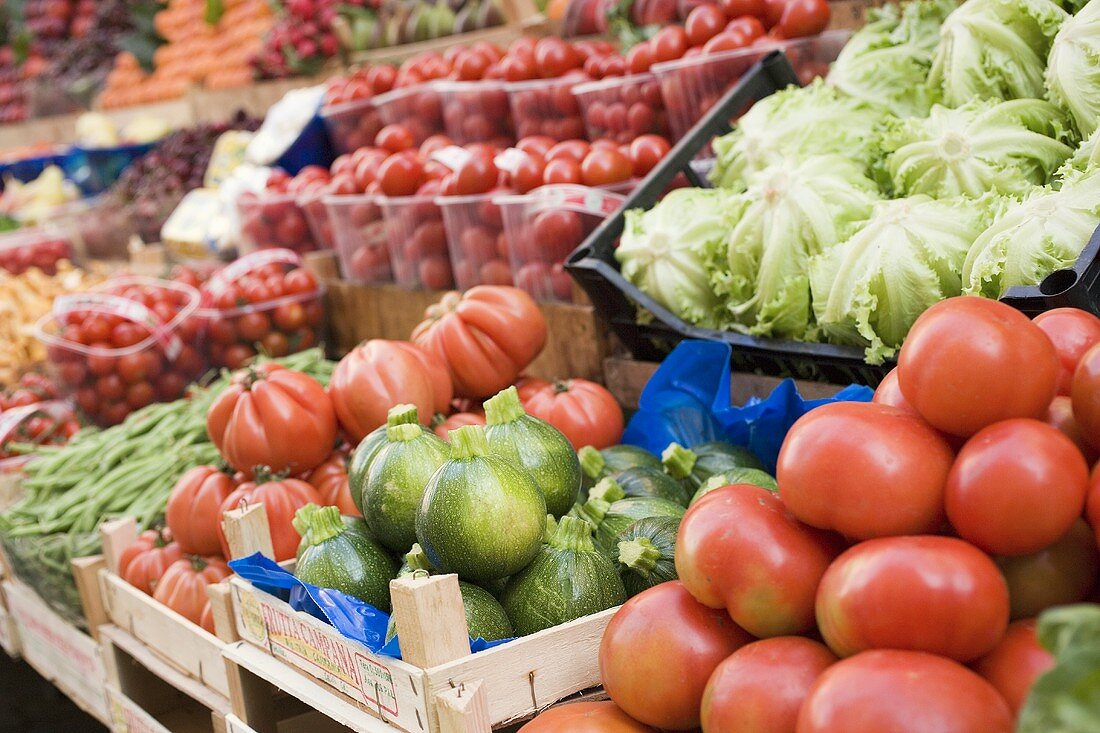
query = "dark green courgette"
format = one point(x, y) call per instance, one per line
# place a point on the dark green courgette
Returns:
point(344, 560)
point(364, 453)
point(693, 467)
point(646, 552)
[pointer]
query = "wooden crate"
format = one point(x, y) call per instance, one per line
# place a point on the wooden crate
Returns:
point(438, 687)
point(146, 694)
point(9, 637)
point(185, 647)
point(60, 652)
point(626, 378)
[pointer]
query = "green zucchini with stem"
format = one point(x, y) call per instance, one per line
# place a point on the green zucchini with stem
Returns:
point(364, 453)
point(646, 553)
point(753, 476)
point(597, 464)
point(641, 481)
point(610, 511)
point(693, 467)
point(302, 527)
point(344, 560)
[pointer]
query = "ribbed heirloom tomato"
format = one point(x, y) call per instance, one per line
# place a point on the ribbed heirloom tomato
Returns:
point(585, 412)
point(926, 593)
point(144, 562)
point(1014, 664)
point(281, 499)
point(902, 692)
point(331, 481)
point(194, 509)
point(183, 587)
point(273, 417)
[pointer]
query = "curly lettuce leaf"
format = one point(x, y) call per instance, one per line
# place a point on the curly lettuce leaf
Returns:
point(1007, 147)
point(794, 124)
point(995, 49)
point(1035, 237)
point(1066, 699)
point(886, 63)
point(868, 290)
point(1073, 69)
point(789, 213)
point(664, 251)
point(1086, 159)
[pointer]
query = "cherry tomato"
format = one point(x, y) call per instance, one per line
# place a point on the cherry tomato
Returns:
point(395, 138)
point(738, 8)
point(1058, 575)
point(646, 151)
point(110, 388)
point(434, 143)
point(289, 316)
point(1014, 665)
point(1016, 487)
point(606, 166)
point(554, 57)
point(538, 145)
point(748, 26)
point(127, 334)
point(889, 690)
point(773, 12)
point(562, 170)
point(527, 174)
point(864, 470)
point(639, 58)
point(575, 150)
point(252, 326)
point(477, 175)
point(401, 175)
point(133, 368)
point(802, 18)
point(703, 23)
point(961, 363)
point(761, 686)
point(139, 395)
point(275, 344)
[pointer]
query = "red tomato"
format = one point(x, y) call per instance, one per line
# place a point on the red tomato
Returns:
point(477, 175)
point(902, 692)
point(639, 58)
point(747, 25)
point(585, 717)
point(401, 175)
point(1060, 415)
point(1092, 503)
point(585, 412)
point(773, 12)
point(761, 686)
point(1073, 332)
point(864, 470)
point(924, 593)
point(646, 151)
point(888, 392)
point(1014, 665)
point(183, 586)
point(663, 633)
point(554, 57)
point(1085, 392)
point(281, 499)
point(725, 41)
point(331, 481)
point(193, 512)
point(395, 138)
point(538, 145)
point(802, 18)
point(143, 563)
point(1016, 487)
point(458, 420)
point(738, 8)
point(669, 44)
point(738, 548)
point(527, 174)
point(1064, 573)
point(575, 150)
point(960, 366)
point(562, 170)
point(605, 166)
point(703, 23)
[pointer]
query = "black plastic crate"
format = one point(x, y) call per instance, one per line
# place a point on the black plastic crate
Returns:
point(619, 302)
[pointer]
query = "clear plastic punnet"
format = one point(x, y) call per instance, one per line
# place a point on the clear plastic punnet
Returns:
point(418, 108)
point(43, 423)
point(265, 302)
point(476, 239)
point(476, 112)
point(417, 242)
point(359, 233)
point(352, 125)
point(130, 342)
point(623, 107)
point(273, 220)
point(317, 216)
point(543, 228)
point(547, 107)
point(42, 247)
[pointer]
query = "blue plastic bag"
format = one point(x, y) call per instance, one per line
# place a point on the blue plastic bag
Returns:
point(350, 616)
point(687, 401)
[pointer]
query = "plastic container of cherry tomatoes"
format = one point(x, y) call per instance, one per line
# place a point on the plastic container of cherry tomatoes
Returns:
point(417, 242)
point(44, 423)
point(130, 342)
point(273, 221)
point(546, 107)
point(359, 232)
point(352, 125)
point(691, 86)
point(318, 219)
point(543, 228)
point(622, 107)
point(476, 239)
point(265, 301)
point(419, 108)
point(476, 112)
point(41, 247)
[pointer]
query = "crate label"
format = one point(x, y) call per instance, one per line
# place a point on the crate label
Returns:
point(378, 687)
point(127, 717)
point(251, 618)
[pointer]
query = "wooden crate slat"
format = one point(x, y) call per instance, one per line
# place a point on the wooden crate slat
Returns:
point(9, 637)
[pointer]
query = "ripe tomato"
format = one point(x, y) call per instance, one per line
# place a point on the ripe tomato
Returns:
point(144, 562)
point(747, 25)
point(802, 18)
point(1016, 487)
point(773, 12)
point(401, 175)
point(575, 150)
point(585, 717)
point(925, 593)
point(281, 499)
point(1060, 415)
point(253, 326)
point(554, 57)
point(562, 170)
point(902, 692)
point(761, 686)
point(663, 633)
point(646, 151)
point(703, 23)
point(193, 509)
point(395, 138)
point(738, 548)
point(639, 58)
point(1073, 332)
point(1058, 575)
point(725, 41)
point(864, 470)
point(604, 166)
point(960, 366)
point(1085, 392)
point(888, 392)
point(527, 174)
point(1014, 665)
point(477, 175)
point(669, 44)
point(585, 412)
point(737, 8)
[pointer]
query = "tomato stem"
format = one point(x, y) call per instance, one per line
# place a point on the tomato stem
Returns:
point(562, 386)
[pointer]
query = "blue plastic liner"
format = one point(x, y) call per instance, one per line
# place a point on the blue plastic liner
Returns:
point(27, 169)
point(350, 616)
point(311, 147)
point(687, 401)
point(95, 170)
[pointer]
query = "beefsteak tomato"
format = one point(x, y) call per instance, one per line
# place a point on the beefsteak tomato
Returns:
point(443, 427)
point(931, 594)
point(902, 692)
point(281, 499)
point(331, 481)
point(485, 336)
point(659, 651)
point(1073, 332)
point(194, 509)
point(739, 548)
point(1016, 487)
point(585, 412)
point(143, 563)
point(762, 685)
point(865, 470)
point(962, 363)
point(378, 374)
point(183, 587)
point(273, 417)
point(585, 717)
point(1014, 664)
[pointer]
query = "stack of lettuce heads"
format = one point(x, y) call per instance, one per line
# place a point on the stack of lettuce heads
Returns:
point(952, 149)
